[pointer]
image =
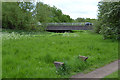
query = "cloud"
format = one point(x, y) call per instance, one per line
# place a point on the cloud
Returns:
point(75, 8)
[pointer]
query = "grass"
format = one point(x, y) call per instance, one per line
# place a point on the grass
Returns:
point(112, 76)
point(31, 55)
point(0, 55)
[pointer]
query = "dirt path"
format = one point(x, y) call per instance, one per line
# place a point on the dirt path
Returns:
point(100, 72)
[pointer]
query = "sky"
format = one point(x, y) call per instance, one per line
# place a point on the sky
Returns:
point(75, 8)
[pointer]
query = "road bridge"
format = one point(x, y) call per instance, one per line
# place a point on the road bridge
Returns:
point(53, 28)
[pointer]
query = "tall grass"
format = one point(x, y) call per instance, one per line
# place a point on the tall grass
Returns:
point(33, 56)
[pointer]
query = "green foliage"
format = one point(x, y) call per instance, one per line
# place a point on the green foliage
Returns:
point(26, 15)
point(108, 18)
point(43, 12)
point(47, 14)
point(0, 14)
point(112, 75)
point(31, 55)
point(97, 26)
point(84, 20)
point(80, 20)
point(18, 15)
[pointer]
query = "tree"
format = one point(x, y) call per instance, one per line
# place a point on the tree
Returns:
point(108, 18)
point(43, 12)
point(26, 15)
point(46, 14)
point(0, 14)
point(80, 20)
point(18, 15)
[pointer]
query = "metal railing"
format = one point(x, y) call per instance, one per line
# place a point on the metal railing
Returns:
point(66, 24)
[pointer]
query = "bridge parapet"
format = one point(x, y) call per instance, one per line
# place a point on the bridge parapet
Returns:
point(50, 27)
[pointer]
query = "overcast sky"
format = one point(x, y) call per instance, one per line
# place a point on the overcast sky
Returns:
point(76, 8)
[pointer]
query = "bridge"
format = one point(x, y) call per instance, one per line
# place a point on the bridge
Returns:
point(69, 28)
point(63, 28)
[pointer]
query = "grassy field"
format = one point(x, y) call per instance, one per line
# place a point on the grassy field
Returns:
point(31, 55)
point(112, 76)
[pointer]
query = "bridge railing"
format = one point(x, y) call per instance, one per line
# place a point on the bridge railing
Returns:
point(66, 24)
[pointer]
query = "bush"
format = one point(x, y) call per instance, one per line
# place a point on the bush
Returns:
point(16, 16)
point(97, 27)
point(108, 19)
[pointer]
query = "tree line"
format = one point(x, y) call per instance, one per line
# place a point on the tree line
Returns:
point(26, 15)
point(79, 19)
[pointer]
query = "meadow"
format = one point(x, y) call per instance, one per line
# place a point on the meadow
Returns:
point(114, 76)
point(31, 55)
